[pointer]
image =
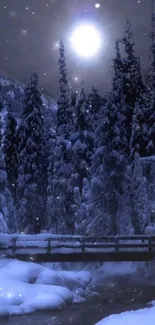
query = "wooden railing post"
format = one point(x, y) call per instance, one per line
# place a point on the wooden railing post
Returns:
point(14, 247)
point(116, 243)
point(150, 245)
point(83, 244)
point(49, 246)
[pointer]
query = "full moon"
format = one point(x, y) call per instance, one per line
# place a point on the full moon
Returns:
point(86, 40)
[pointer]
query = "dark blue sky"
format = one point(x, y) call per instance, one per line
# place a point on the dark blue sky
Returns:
point(30, 29)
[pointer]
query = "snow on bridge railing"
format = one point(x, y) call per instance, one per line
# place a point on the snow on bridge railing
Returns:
point(42, 237)
point(48, 243)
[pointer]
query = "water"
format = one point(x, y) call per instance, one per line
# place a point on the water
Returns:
point(117, 296)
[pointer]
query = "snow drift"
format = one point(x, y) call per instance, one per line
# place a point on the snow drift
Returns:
point(142, 317)
point(28, 287)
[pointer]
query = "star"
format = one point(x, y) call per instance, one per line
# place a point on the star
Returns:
point(24, 32)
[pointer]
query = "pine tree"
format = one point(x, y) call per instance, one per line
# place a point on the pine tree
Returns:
point(7, 208)
point(0, 142)
point(82, 208)
point(134, 91)
point(138, 141)
point(95, 104)
point(150, 120)
point(65, 111)
point(100, 221)
point(138, 204)
point(110, 161)
point(133, 82)
point(1, 135)
point(83, 138)
point(3, 225)
point(50, 142)
point(8, 222)
point(1, 103)
point(81, 110)
point(10, 152)
point(151, 72)
point(117, 61)
point(61, 188)
point(133, 86)
point(31, 189)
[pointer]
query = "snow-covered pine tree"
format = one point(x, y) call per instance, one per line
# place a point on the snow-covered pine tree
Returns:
point(95, 104)
point(3, 225)
point(81, 110)
point(82, 139)
point(71, 157)
point(50, 142)
point(60, 190)
point(7, 209)
point(0, 142)
point(8, 222)
point(109, 160)
point(82, 208)
point(51, 160)
point(136, 191)
point(1, 134)
point(151, 71)
point(139, 135)
point(133, 84)
point(31, 189)
point(1, 103)
point(100, 222)
point(118, 61)
point(52, 215)
point(61, 187)
point(150, 121)
point(65, 111)
point(10, 151)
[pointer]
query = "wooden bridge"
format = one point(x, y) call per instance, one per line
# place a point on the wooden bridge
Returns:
point(51, 248)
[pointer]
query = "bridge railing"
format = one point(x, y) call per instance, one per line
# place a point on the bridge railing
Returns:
point(49, 244)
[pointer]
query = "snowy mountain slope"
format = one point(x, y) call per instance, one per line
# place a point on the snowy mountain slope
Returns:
point(11, 90)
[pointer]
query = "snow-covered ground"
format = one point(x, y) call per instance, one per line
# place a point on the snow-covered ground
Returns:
point(143, 317)
point(28, 287)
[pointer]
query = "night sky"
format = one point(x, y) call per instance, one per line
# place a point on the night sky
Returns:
point(30, 31)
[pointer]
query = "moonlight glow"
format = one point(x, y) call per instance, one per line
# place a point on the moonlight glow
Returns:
point(86, 40)
point(97, 5)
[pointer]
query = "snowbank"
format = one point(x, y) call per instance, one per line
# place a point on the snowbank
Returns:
point(142, 316)
point(28, 287)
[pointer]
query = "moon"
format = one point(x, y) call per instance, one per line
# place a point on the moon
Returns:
point(97, 5)
point(86, 40)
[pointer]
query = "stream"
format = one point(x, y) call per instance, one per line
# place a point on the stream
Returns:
point(114, 297)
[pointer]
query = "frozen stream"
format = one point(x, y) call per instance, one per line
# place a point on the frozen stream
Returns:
point(117, 296)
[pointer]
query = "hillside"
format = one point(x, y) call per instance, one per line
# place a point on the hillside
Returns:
point(13, 90)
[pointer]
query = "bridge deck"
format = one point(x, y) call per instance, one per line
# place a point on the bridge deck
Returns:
point(48, 248)
point(87, 257)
